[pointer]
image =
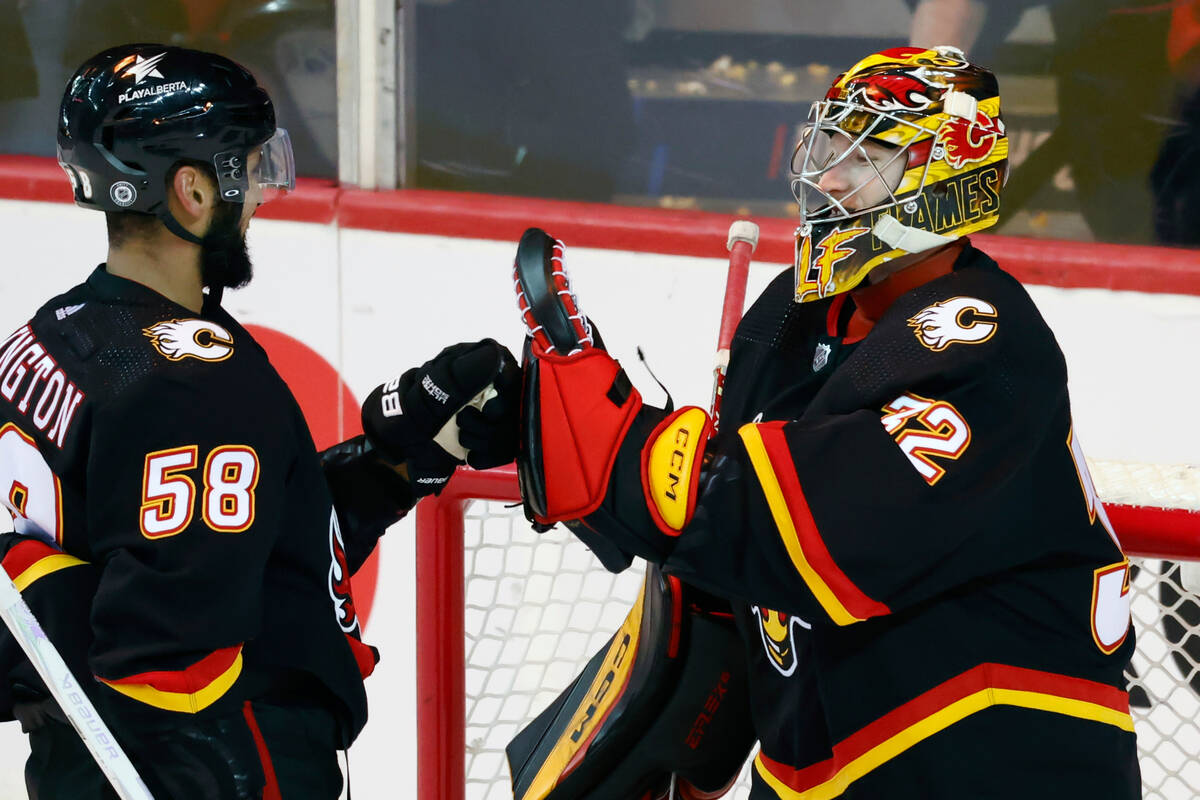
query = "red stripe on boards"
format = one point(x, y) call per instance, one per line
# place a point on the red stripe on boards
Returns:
point(649, 230)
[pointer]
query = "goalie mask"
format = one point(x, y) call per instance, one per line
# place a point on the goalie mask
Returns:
point(907, 152)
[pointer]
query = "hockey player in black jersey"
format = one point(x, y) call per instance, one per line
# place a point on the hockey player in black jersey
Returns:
point(176, 532)
point(930, 597)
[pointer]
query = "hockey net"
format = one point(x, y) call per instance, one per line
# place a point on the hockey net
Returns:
point(497, 646)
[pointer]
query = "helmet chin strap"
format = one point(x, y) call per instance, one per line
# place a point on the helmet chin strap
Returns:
point(896, 234)
point(172, 224)
point(215, 293)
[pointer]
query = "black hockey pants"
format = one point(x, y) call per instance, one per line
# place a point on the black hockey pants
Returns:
point(262, 751)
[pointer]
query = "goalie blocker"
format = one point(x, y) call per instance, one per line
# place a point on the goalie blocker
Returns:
point(585, 431)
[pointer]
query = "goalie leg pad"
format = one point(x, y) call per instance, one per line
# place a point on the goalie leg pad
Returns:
point(671, 460)
point(578, 411)
point(667, 695)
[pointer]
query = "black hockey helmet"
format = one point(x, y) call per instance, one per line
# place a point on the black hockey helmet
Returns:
point(132, 112)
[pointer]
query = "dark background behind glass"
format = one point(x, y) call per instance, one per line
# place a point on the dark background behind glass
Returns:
point(287, 44)
point(686, 103)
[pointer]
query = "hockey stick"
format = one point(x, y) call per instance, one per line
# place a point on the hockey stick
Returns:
point(103, 746)
point(743, 238)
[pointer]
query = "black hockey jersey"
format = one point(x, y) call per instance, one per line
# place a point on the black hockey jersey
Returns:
point(161, 448)
point(932, 601)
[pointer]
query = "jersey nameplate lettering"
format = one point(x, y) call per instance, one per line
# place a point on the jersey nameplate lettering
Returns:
point(37, 387)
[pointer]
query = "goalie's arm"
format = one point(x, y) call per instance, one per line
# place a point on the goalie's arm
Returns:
point(833, 516)
point(830, 518)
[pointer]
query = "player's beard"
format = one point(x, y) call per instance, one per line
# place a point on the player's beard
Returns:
point(224, 258)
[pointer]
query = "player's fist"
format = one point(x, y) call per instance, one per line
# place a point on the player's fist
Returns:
point(460, 406)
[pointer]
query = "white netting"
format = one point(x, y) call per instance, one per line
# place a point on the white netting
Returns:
point(1165, 684)
point(539, 606)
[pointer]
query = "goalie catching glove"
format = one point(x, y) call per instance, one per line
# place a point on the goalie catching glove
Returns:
point(588, 445)
point(458, 407)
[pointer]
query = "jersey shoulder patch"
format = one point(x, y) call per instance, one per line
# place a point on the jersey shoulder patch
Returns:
point(972, 306)
point(200, 339)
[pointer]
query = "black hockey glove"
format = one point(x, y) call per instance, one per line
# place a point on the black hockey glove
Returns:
point(368, 493)
point(459, 407)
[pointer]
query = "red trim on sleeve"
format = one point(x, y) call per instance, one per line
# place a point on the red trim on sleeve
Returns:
point(25, 554)
point(189, 679)
point(364, 655)
point(853, 599)
point(271, 789)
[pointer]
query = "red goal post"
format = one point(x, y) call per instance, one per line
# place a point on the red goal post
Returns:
point(1147, 533)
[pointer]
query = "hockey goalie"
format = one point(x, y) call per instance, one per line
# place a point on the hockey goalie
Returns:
point(927, 598)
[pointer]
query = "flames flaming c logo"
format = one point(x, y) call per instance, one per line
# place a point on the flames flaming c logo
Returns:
point(968, 142)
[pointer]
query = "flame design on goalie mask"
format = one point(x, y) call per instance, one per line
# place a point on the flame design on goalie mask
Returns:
point(904, 91)
point(937, 116)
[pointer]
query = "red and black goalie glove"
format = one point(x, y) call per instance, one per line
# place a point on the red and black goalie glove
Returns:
point(623, 476)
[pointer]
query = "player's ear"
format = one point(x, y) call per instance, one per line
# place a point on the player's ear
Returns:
point(193, 191)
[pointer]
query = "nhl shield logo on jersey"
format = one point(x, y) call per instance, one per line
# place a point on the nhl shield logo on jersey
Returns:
point(966, 320)
point(778, 633)
point(177, 339)
point(821, 356)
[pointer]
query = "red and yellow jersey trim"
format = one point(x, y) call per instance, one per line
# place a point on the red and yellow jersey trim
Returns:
point(930, 713)
point(29, 561)
point(187, 690)
point(841, 599)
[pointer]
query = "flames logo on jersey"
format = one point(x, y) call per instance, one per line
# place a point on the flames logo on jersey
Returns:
point(177, 339)
point(778, 633)
point(967, 320)
point(966, 142)
point(339, 579)
point(908, 90)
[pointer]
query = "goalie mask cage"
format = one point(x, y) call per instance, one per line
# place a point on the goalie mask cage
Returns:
point(506, 618)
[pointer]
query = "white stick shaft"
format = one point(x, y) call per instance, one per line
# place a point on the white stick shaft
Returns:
point(113, 762)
